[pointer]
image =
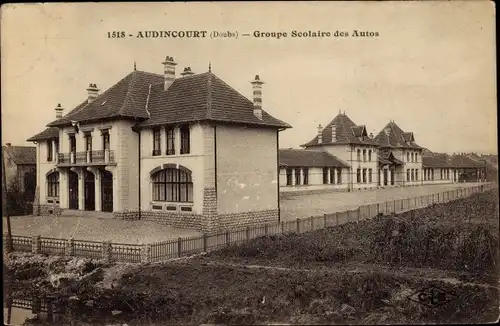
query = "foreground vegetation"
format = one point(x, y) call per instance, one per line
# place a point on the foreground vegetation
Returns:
point(360, 273)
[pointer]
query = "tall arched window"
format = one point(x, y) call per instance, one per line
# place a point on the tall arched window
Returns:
point(53, 184)
point(172, 185)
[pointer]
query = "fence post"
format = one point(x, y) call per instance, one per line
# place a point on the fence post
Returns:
point(145, 253)
point(247, 233)
point(378, 208)
point(415, 201)
point(69, 249)
point(179, 247)
point(36, 244)
point(282, 227)
point(324, 221)
point(106, 250)
point(438, 198)
point(337, 218)
point(358, 213)
point(312, 222)
point(369, 211)
point(227, 237)
point(7, 242)
point(298, 226)
point(266, 230)
point(204, 242)
point(386, 208)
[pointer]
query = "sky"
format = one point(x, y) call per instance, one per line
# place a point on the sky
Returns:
point(431, 68)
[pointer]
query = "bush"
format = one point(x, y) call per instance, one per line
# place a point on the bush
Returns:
point(16, 201)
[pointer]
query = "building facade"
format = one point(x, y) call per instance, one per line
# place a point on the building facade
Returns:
point(178, 150)
point(20, 168)
point(360, 161)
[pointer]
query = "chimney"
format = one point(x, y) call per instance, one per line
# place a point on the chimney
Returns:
point(59, 111)
point(93, 92)
point(257, 97)
point(334, 133)
point(8, 144)
point(187, 72)
point(371, 135)
point(169, 65)
point(320, 134)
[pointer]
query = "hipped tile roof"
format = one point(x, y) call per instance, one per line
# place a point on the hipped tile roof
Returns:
point(346, 131)
point(48, 133)
point(393, 136)
point(387, 157)
point(141, 96)
point(21, 154)
point(308, 158)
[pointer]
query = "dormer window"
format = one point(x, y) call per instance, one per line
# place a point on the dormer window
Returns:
point(407, 157)
point(156, 141)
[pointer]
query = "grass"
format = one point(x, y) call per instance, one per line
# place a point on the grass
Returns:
point(358, 273)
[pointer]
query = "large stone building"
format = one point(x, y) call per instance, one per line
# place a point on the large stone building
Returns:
point(343, 157)
point(180, 150)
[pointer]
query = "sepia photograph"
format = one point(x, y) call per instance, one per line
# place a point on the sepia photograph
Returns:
point(249, 163)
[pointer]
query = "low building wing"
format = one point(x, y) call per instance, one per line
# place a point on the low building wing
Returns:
point(308, 158)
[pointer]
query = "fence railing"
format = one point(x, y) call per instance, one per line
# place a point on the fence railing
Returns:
point(182, 247)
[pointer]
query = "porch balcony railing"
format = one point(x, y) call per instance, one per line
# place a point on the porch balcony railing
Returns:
point(101, 156)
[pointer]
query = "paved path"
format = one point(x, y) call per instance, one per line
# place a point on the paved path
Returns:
point(318, 204)
point(95, 229)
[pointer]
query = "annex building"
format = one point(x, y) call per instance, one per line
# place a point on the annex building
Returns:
point(169, 148)
point(342, 156)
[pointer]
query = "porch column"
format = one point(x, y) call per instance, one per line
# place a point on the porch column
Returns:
point(117, 204)
point(81, 189)
point(389, 177)
point(301, 181)
point(329, 175)
point(97, 187)
point(63, 188)
point(334, 178)
point(294, 182)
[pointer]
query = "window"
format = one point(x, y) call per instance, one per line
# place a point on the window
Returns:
point(432, 174)
point(289, 175)
point(408, 175)
point(370, 155)
point(53, 184)
point(172, 185)
point(156, 142)
point(57, 145)
point(416, 174)
point(305, 173)
point(407, 157)
point(49, 150)
point(325, 176)
point(88, 142)
point(72, 143)
point(358, 175)
point(370, 177)
point(441, 173)
point(364, 175)
point(170, 141)
point(412, 175)
point(105, 140)
point(339, 176)
point(416, 157)
point(364, 155)
point(411, 157)
point(297, 176)
point(359, 155)
point(185, 145)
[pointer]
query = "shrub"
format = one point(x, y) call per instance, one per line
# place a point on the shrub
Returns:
point(17, 203)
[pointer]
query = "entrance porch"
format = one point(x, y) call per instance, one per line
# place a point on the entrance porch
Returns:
point(87, 189)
